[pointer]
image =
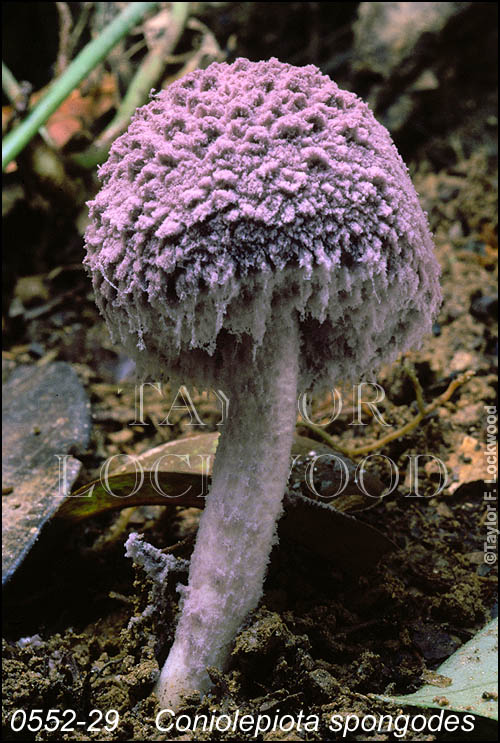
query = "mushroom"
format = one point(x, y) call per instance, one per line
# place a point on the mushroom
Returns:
point(256, 230)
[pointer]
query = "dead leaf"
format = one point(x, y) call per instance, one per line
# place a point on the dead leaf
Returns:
point(177, 473)
point(78, 111)
point(435, 679)
point(467, 464)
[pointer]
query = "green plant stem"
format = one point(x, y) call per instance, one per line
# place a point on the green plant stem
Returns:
point(10, 86)
point(147, 75)
point(13, 91)
point(86, 60)
point(91, 157)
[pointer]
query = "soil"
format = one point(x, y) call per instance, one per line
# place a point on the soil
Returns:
point(322, 639)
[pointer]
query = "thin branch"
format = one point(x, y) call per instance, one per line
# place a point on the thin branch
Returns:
point(146, 77)
point(10, 86)
point(419, 393)
point(65, 24)
point(79, 26)
point(208, 49)
point(424, 411)
point(86, 60)
point(14, 93)
point(148, 74)
point(137, 47)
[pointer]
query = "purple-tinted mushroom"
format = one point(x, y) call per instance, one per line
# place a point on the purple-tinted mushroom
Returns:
point(256, 230)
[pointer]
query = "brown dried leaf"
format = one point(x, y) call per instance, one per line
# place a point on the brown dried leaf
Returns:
point(180, 470)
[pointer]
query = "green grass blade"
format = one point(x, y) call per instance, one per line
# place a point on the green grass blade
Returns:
point(85, 61)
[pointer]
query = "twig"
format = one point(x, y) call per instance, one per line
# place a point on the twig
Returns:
point(112, 662)
point(146, 78)
point(79, 26)
point(208, 48)
point(179, 546)
point(10, 86)
point(410, 371)
point(137, 47)
point(14, 92)
point(179, 58)
point(424, 410)
point(116, 530)
point(86, 60)
point(65, 24)
point(95, 155)
point(147, 75)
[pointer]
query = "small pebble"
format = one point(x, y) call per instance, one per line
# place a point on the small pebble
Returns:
point(490, 695)
point(37, 350)
point(121, 437)
point(442, 701)
point(447, 193)
point(484, 308)
point(455, 232)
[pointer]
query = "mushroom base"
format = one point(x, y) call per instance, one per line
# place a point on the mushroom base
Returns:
point(238, 526)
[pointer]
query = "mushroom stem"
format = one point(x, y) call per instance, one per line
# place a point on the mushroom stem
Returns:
point(238, 525)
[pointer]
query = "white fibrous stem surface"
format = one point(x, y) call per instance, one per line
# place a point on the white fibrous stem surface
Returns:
point(238, 526)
